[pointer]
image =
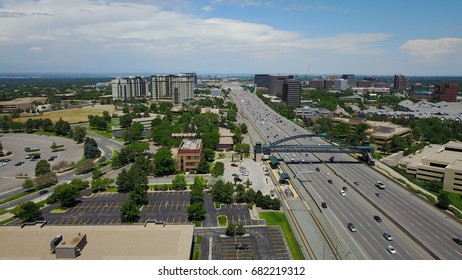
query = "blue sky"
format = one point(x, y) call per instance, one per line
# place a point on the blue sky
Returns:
point(235, 36)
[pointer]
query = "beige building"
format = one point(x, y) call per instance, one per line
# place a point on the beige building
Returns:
point(22, 104)
point(189, 154)
point(121, 242)
point(379, 132)
point(437, 162)
point(226, 139)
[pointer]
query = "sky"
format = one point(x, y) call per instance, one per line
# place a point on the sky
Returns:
point(380, 37)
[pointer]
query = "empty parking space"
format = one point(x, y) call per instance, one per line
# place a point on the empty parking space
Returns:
point(104, 209)
point(238, 214)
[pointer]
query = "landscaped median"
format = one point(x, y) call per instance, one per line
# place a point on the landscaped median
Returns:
point(280, 219)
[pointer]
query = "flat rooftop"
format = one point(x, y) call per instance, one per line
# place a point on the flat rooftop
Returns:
point(122, 242)
point(190, 145)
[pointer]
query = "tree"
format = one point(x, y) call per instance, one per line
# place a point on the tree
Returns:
point(46, 180)
point(27, 212)
point(164, 164)
point(66, 194)
point(196, 194)
point(47, 125)
point(239, 230)
point(42, 167)
point(443, 201)
point(61, 165)
point(196, 211)
point(219, 169)
point(434, 185)
point(209, 154)
point(203, 167)
point(79, 134)
point(230, 230)
point(85, 166)
point(124, 182)
point(139, 194)
point(179, 182)
point(28, 184)
point(129, 212)
point(62, 127)
point(91, 150)
point(101, 184)
point(144, 164)
point(240, 194)
point(29, 126)
point(200, 182)
point(223, 192)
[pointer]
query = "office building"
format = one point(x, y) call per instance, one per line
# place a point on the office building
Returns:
point(262, 80)
point(317, 84)
point(399, 82)
point(437, 162)
point(351, 79)
point(446, 92)
point(364, 83)
point(275, 83)
point(22, 104)
point(189, 154)
point(340, 84)
point(291, 92)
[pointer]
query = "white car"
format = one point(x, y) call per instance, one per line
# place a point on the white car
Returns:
point(388, 236)
point(391, 249)
point(342, 193)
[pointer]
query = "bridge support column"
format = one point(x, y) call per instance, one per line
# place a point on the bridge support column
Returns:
point(257, 152)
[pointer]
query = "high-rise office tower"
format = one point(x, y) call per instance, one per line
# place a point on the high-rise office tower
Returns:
point(292, 92)
point(399, 82)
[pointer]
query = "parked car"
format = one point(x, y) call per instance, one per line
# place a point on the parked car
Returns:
point(235, 175)
point(242, 246)
point(234, 165)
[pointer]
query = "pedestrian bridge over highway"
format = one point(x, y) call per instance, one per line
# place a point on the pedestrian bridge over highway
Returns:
point(337, 146)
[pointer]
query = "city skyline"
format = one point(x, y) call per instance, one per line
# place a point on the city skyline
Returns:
point(413, 38)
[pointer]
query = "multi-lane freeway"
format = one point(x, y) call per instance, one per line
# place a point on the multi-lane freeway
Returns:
point(419, 230)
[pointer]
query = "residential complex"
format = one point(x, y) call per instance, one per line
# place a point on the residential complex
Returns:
point(176, 88)
point(437, 162)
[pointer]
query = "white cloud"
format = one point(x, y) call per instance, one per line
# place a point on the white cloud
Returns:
point(83, 31)
point(207, 8)
point(433, 49)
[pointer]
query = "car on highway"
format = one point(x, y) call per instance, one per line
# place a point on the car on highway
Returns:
point(327, 173)
point(388, 236)
point(342, 193)
point(377, 218)
point(379, 185)
point(378, 195)
point(356, 183)
point(344, 189)
point(329, 181)
point(242, 246)
point(317, 169)
point(391, 249)
point(324, 204)
point(457, 240)
point(351, 227)
point(234, 165)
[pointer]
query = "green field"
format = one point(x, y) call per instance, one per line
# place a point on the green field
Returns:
point(280, 219)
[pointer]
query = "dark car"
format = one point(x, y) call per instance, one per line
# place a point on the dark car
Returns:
point(344, 188)
point(317, 169)
point(241, 246)
point(356, 183)
point(51, 159)
point(377, 218)
point(324, 204)
point(378, 194)
point(330, 181)
point(237, 179)
point(42, 192)
point(457, 240)
point(18, 163)
point(234, 165)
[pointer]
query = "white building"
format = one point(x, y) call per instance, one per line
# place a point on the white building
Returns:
point(127, 88)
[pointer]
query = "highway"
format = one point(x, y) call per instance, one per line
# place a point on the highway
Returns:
point(419, 230)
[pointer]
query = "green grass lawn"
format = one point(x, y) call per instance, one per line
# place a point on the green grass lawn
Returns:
point(456, 200)
point(197, 248)
point(280, 219)
point(222, 220)
point(104, 133)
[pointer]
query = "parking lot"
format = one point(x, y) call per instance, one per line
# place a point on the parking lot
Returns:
point(104, 209)
point(264, 243)
point(255, 174)
point(16, 142)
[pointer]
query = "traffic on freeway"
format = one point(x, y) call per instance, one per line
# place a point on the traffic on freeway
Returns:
point(352, 195)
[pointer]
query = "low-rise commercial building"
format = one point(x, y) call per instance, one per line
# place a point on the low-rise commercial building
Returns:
point(437, 162)
point(189, 154)
point(22, 104)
